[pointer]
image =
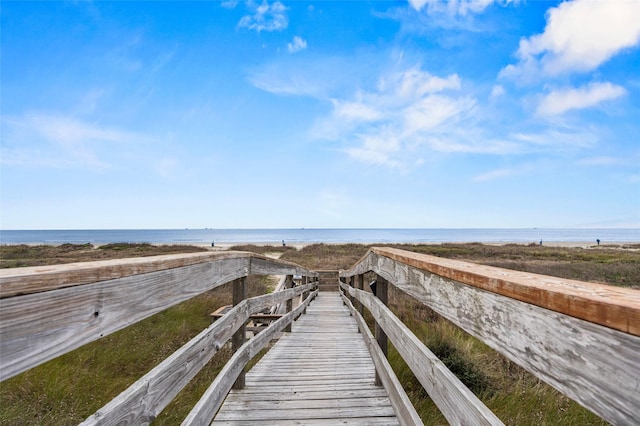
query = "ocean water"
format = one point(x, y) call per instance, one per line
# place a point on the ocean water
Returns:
point(316, 235)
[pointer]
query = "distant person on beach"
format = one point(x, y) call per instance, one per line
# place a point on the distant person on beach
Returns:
point(283, 244)
point(540, 242)
point(598, 241)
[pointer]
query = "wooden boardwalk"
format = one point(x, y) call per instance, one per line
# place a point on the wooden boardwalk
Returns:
point(320, 373)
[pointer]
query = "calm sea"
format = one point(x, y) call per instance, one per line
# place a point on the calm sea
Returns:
point(276, 236)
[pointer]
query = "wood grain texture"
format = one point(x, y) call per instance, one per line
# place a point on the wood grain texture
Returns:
point(206, 408)
point(456, 402)
point(320, 373)
point(405, 412)
point(597, 366)
point(614, 307)
point(34, 279)
point(262, 265)
point(42, 325)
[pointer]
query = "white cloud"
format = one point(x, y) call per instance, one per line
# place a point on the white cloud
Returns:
point(455, 7)
point(229, 4)
point(266, 17)
point(59, 141)
point(496, 174)
point(579, 36)
point(408, 109)
point(297, 45)
point(496, 92)
point(560, 101)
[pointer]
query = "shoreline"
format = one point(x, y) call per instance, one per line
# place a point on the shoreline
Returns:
point(222, 246)
point(299, 245)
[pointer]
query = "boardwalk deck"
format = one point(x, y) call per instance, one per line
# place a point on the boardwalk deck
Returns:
point(320, 373)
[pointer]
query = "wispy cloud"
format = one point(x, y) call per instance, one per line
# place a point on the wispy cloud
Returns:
point(455, 7)
point(62, 140)
point(579, 36)
point(560, 101)
point(265, 17)
point(296, 45)
point(408, 113)
point(229, 4)
point(498, 174)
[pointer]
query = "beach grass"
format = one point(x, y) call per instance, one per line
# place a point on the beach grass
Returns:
point(70, 388)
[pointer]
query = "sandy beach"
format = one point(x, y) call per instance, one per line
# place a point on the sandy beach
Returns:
point(300, 245)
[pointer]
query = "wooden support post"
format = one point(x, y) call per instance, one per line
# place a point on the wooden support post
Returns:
point(239, 294)
point(288, 284)
point(360, 285)
point(305, 281)
point(381, 337)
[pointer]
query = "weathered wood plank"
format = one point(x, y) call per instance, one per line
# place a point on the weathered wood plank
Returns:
point(307, 413)
point(323, 381)
point(597, 366)
point(279, 395)
point(405, 412)
point(354, 421)
point(284, 404)
point(262, 265)
point(37, 327)
point(614, 307)
point(148, 396)
point(34, 279)
point(456, 402)
point(208, 405)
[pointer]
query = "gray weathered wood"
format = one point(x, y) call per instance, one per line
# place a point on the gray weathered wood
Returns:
point(35, 279)
point(262, 265)
point(320, 371)
point(406, 413)
point(381, 337)
point(147, 397)
point(456, 402)
point(208, 405)
point(37, 327)
point(239, 337)
point(597, 366)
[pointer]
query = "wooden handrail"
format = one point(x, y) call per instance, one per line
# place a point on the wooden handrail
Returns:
point(148, 396)
point(456, 402)
point(83, 302)
point(206, 408)
point(581, 338)
point(406, 413)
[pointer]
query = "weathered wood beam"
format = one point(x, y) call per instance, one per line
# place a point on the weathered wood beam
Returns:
point(46, 311)
point(402, 406)
point(614, 307)
point(147, 397)
point(239, 337)
point(456, 402)
point(262, 265)
point(205, 410)
point(37, 327)
point(590, 362)
point(35, 279)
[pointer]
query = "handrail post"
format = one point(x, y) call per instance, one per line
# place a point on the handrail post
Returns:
point(381, 337)
point(289, 284)
point(360, 285)
point(239, 294)
point(305, 294)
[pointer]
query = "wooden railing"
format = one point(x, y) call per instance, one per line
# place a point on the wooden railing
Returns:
point(581, 338)
point(50, 310)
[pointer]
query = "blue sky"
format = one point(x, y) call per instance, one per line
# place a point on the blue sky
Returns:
point(269, 114)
